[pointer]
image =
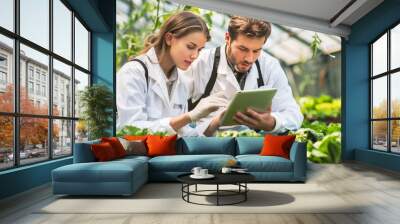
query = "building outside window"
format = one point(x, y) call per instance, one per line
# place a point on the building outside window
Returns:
point(35, 77)
point(3, 72)
point(30, 72)
point(43, 78)
point(30, 87)
point(385, 96)
point(43, 90)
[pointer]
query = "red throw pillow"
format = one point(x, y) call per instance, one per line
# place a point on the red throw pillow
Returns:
point(103, 151)
point(161, 145)
point(116, 145)
point(275, 145)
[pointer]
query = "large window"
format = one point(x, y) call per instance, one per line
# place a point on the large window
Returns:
point(44, 64)
point(385, 93)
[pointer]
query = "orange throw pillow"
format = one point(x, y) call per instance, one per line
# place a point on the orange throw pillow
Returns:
point(135, 138)
point(116, 145)
point(275, 145)
point(161, 145)
point(103, 151)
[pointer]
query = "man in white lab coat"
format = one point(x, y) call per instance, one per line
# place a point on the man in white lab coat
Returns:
point(241, 64)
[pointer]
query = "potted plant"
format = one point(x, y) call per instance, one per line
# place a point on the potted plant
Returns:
point(96, 102)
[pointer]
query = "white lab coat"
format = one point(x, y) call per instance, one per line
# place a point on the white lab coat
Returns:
point(150, 107)
point(285, 110)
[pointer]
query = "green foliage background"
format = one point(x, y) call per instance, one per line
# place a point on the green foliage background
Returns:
point(145, 18)
point(321, 126)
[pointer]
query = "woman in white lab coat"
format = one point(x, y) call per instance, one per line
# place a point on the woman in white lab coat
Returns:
point(150, 92)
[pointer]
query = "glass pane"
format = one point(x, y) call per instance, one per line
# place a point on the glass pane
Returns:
point(62, 29)
point(379, 135)
point(395, 94)
point(7, 14)
point(395, 47)
point(379, 55)
point(34, 97)
point(62, 141)
point(81, 45)
point(81, 81)
point(62, 89)
point(35, 21)
point(81, 131)
point(6, 74)
point(6, 142)
point(33, 139)
point(379, 97)
point(395, 138)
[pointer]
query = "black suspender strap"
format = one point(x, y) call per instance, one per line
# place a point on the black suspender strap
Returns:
point(260, 80)
point(211, 82)
point(146, 72)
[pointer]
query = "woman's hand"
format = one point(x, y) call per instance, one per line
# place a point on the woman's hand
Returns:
point(208, 105)
point(215, 124)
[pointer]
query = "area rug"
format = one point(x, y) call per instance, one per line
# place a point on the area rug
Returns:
point(167, 198)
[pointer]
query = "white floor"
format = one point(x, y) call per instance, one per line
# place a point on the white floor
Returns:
point(377, 189)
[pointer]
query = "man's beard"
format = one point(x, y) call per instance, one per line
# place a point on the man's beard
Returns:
point(232, 60)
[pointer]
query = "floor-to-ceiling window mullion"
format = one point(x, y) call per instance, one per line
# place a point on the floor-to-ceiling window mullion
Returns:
point(73, 83)
point(50, 87)
point(389, 106)
point(16, 84)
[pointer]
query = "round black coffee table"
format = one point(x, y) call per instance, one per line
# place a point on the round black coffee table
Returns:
point(238, 179)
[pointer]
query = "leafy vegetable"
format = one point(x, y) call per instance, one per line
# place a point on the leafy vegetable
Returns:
point(234, 133)
point(136, 131)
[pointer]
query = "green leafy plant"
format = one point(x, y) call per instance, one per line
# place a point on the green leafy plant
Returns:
point(136, 131)
point(323, 141)
point(315, 43)
point(96, 102)
point(323, 108)
point(234, 133)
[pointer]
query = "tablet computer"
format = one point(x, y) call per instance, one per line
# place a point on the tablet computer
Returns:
point(259, 99)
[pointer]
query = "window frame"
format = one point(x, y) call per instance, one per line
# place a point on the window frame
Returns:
point(16, 114)
point(388, 74)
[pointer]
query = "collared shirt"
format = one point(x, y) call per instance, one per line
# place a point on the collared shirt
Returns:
point(240, 76)
point(151, 55)
point(171, 80)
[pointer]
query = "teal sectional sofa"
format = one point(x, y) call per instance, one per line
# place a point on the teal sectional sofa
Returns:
point(125, 176)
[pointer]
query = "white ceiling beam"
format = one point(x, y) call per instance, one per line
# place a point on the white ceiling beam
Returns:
point(271, 15)
point(347, 12)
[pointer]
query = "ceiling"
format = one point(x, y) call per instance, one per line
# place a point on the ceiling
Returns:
point(327, 16)
point(288, 44)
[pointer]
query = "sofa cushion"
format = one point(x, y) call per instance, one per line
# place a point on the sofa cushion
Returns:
point(112, 171)
point(83, 152)
point(206, 145)
point(249, 145)
point(257, 163)
point(131, 158)
point(185, 163)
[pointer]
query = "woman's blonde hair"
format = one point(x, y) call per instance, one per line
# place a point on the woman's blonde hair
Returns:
point(179, 25)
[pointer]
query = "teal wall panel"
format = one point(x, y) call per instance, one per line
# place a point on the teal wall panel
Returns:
point(24, 178)
point(355, 89)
